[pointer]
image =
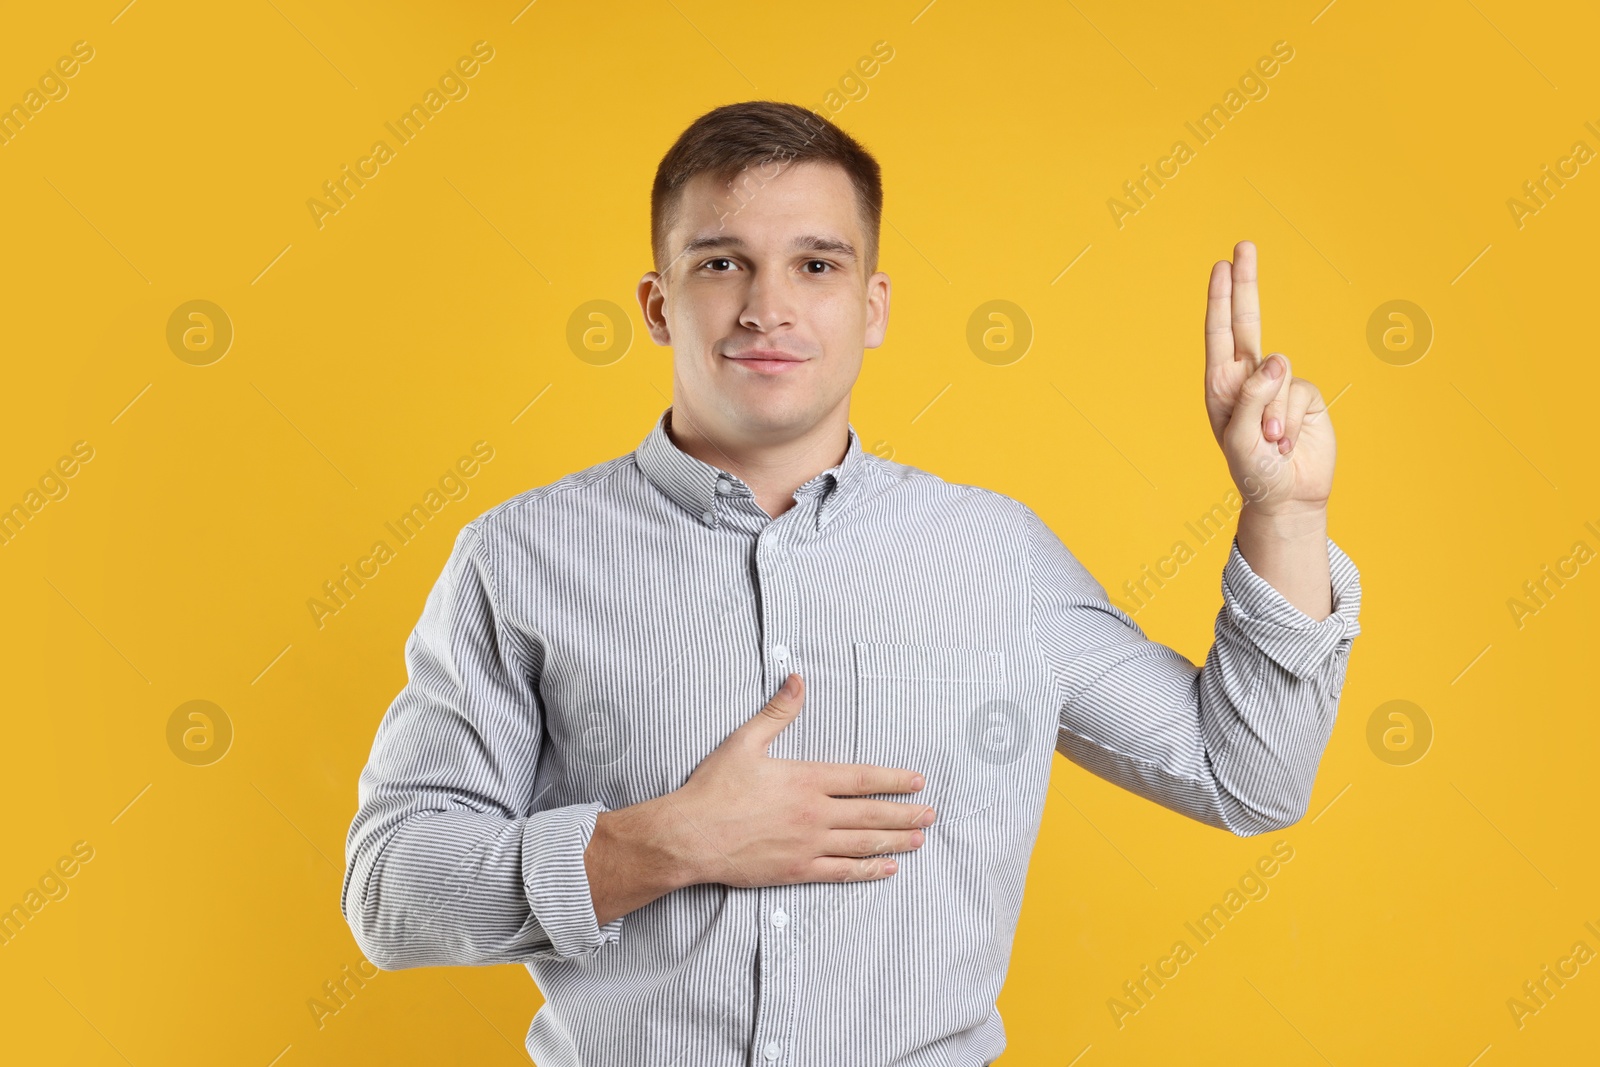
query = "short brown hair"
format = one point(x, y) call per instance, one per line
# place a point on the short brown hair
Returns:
point(731, 138)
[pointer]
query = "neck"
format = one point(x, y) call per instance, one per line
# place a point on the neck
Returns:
point(772, 467)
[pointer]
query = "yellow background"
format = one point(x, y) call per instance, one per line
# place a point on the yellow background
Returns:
point(432, 310)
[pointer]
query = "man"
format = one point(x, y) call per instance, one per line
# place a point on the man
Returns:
point(740, 741)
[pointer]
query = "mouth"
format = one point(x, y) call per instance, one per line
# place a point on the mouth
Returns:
point(764, 362)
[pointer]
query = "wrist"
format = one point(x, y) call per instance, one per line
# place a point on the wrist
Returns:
point(624, 863)
point(660, 840)
point(1300, 523)
point(682, 844)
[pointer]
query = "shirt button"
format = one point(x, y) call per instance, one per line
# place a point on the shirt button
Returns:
point(780, 918)
point(773, 1050)
point(708, 517)
point(780, 652)
point(724, 487)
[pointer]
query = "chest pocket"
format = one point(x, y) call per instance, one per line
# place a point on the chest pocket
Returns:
point(929, 708)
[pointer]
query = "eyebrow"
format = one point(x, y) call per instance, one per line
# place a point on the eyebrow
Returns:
point(807, 243)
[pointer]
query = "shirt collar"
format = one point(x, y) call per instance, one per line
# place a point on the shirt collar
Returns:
point(699, 487)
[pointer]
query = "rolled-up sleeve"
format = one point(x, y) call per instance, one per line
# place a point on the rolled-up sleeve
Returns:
point(1234, 744)
point(451, 858)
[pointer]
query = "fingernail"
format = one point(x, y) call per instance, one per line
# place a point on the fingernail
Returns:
point(1274, 427)
point(926, 820)
point(790, 686)
point(1274, 367)
point(917, 781)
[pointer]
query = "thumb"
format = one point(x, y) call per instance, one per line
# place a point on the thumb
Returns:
point(777, 713)
point(1257, 392)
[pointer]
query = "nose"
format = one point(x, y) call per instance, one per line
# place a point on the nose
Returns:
point(767, 306)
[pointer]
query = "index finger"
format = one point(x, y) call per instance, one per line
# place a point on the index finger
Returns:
point(860, 779)
point(1219, 318)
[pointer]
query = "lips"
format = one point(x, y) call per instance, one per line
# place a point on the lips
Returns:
point(767, 361)
point(769, 355)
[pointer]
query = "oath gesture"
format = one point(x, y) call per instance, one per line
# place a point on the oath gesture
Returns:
point(1274, 430)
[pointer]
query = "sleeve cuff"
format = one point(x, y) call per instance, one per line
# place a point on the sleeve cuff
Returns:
point(1287, 635)
point(557, 884)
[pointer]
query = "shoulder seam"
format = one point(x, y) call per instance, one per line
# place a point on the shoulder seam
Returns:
point(543, 492)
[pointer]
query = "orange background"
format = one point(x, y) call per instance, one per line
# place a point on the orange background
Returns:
point(431, 312)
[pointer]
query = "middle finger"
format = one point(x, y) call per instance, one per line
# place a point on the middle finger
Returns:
point(1246, 302)
point(853, 814)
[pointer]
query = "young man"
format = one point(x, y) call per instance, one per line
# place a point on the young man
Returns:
point(605, 764)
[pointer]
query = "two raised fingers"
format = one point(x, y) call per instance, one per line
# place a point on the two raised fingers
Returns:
point(1233, 334)
point(1233, 311)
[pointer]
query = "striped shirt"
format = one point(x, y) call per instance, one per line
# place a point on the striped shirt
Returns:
point(590, 641)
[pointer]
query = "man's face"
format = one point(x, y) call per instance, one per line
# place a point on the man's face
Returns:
point(770, 267)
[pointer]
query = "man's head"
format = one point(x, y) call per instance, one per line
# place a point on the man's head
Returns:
point(764, 230)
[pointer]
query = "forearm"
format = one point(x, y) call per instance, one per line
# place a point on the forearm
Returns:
point(443, 888)
point(459, 887)
point(1266, 729)
point(638, 854)
point(1291, 553)
point(1271, 685)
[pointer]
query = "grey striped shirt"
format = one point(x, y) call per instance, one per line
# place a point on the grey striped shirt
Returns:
point(591, 640)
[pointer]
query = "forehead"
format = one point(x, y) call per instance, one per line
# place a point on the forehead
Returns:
point(769, 200)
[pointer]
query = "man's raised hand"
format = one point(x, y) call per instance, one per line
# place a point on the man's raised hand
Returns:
point(1274, 431)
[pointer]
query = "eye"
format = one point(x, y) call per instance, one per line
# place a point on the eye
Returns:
point(718, 259)
point(823, 262)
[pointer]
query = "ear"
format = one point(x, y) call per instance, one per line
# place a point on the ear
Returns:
point(877, 310)
point(653, 303)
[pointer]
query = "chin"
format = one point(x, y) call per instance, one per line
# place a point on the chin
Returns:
point(766, 412)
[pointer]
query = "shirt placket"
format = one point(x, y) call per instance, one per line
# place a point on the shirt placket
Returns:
point(779, 615)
